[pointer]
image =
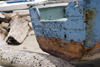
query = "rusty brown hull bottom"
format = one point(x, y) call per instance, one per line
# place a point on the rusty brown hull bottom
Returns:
point(66, 50)
point(59, 48)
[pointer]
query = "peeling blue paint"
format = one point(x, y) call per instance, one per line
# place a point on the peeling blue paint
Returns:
point(74, 27)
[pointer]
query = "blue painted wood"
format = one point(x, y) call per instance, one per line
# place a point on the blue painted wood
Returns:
point(91, 8)
point(73, 28)
point(82, 23)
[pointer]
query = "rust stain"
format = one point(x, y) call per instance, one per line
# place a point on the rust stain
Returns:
point(89, 19)
point(95, 49)
point(89, 15)
point(65, 50)
point(72, 50)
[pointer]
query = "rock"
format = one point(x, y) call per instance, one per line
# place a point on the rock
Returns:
point(28, 18)
point(5, 26)
point(19, 30)
point(3, 34)
point(4, 17)
point(23, 58)
point(30, 25)
point(18, 58)
point(31, 33)
point(13, 14)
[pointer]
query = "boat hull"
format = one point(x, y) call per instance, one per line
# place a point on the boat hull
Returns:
point(18, 6)
point(73, 38)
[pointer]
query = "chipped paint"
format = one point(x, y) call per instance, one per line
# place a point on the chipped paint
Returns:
point(95, 49)
point(65, 50)
point(73, 38)
point(90, 23)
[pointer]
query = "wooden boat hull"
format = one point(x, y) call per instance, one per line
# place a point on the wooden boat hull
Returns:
point(74, 38)
point(18, 6)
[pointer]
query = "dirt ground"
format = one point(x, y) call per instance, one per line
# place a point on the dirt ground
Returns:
point(30, 44)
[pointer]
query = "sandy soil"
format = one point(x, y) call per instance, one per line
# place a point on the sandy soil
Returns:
point(30, 44)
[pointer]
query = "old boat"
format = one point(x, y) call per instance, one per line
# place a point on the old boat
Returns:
point(17, 4)
point(70, 33)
